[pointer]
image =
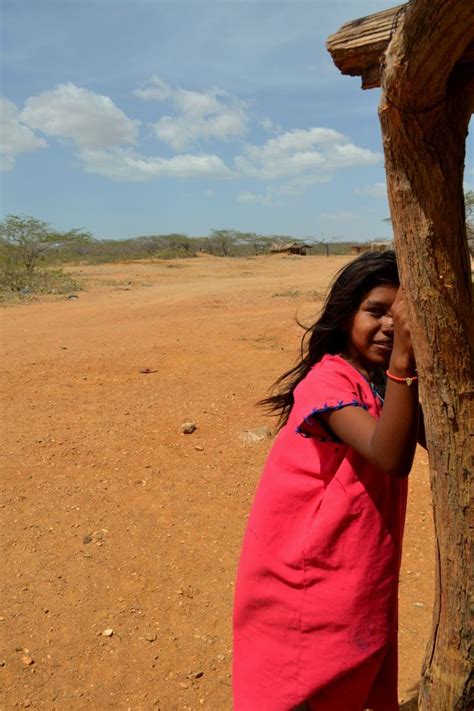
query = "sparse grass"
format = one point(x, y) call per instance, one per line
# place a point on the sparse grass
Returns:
point(17, 283)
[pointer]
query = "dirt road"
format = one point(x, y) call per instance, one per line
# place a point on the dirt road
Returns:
point(113, 519)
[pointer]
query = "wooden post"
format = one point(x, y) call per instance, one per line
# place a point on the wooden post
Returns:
point(427, 79)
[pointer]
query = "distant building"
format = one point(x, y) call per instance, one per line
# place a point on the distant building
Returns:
point(290, 248)
point(360, 248)
point(381, 246)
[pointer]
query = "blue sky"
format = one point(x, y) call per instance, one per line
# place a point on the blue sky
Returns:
point(132, 117)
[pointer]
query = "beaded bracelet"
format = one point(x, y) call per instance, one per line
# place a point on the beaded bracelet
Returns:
point(395, 378)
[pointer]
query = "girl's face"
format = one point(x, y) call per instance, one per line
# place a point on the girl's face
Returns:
point(370, 334)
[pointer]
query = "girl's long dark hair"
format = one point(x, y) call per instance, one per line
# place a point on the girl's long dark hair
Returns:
point(327, 334)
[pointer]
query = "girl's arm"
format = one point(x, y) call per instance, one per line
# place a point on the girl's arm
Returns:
point(390, 442)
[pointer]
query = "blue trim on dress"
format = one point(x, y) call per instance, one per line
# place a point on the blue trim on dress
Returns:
point(326, 408)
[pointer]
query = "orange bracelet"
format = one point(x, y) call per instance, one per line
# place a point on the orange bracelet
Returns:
point(407, 381)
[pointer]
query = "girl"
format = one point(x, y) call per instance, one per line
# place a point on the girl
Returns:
point(315, 618)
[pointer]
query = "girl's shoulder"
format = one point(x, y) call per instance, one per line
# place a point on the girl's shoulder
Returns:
point(331, 384)
point(330, 363)
point(333, 377)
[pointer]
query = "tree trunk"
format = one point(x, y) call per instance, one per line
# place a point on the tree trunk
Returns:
point(424, 142)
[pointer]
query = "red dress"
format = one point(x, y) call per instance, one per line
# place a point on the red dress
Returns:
point(315, 615)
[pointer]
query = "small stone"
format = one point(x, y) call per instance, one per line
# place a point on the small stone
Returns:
point(150, 636)
point(418, 604)
point(87, 538)
point(27, 660)
point(184, 685)
point(188, 427)
point(27, 703)
point(258, 435)
point(199, 448)
point(107, 633)
point(2, 662)
point(195, 675)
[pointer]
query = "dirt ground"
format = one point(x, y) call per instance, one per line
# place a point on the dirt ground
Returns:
point(112, 519)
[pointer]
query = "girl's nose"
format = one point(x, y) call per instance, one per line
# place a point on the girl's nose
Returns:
point(387, 323)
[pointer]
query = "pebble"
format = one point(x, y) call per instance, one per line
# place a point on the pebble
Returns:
point(150, 637)
point(27, 660)
point(184, 685)
point(199, 448)
point(27, 703)
point(418, 604)
point(258, 435)
point(188, 427)
point(108, 632)
point(195, 675)
point(2, 662)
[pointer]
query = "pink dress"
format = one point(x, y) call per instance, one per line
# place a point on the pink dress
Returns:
point(315, 616)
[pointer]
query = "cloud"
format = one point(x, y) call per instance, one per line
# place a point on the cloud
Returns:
point(123, 165)
point(197, 116)
point(270, 126)
point(91, 120)
point(154, 90)
point(301, 152)
point(246, 198)
point(273, 195)
point(375, 190)
point(15, 137)
point(341, 215)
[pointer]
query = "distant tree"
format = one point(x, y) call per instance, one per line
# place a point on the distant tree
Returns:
point(327, 242)
point(27, 240)
point(258, 244)
point(222, 241)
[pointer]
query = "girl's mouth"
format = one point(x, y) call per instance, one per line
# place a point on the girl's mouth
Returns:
point(385, 346)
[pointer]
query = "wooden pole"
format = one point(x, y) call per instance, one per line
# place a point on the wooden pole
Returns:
point(427, 99)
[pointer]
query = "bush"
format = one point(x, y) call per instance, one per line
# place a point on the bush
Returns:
point(15, 279)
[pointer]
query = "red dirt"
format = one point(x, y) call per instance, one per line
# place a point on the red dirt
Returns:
point(113, 519)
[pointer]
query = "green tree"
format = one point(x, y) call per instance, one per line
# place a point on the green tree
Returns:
point(26, 240)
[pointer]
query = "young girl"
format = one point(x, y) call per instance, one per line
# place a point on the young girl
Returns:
point(315, 618)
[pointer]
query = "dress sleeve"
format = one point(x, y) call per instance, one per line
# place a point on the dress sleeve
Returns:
point(331, 385)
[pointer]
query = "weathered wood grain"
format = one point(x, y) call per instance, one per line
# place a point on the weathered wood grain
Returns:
point(358, 47)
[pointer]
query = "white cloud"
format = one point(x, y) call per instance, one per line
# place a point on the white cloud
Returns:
point(246, 198)
point(315, 151)
point(273, 194)
point(90, 119)
point(15, 137)
point(268, 199)
point(342, 215)
point(270, 126)
point(375, 190)
point(123, 165)
point(211, 114)
point(155, 89)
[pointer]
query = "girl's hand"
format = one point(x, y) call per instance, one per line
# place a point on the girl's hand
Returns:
point(402, 357)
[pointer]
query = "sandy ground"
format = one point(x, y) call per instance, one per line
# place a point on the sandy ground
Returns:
point(114, 520)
